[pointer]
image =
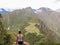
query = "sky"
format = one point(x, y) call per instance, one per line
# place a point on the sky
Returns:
point(35, 4)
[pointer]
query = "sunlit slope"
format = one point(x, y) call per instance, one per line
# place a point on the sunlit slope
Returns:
point(32, 29)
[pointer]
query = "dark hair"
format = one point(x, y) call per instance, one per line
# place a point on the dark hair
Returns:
point(19, 32)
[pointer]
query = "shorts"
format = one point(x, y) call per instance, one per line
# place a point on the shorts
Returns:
point(20, 42)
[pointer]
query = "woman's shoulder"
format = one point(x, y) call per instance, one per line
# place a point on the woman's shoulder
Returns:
point(22, 35)
point(19, 35)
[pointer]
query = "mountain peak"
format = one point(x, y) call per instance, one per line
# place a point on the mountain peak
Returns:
point(45, 9)
point(28, 8)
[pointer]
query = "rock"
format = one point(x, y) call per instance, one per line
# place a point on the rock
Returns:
point(25, 43)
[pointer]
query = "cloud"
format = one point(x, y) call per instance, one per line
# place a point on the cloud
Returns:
point(18, 4)
point(57, 0)
point(11, 4)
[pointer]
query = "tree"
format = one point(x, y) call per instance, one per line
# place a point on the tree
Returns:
point(0, 16)
point(1, 32)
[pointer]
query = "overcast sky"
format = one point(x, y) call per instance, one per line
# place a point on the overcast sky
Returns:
point(17, 4)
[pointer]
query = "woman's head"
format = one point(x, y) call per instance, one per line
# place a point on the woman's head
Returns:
point(19, 32)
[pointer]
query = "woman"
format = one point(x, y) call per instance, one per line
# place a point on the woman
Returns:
point(20, 38)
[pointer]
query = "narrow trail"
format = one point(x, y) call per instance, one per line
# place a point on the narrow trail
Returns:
point(25, 43)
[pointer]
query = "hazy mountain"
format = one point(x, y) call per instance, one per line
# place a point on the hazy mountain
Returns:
point(45, 9)
point(4, 11)
point(45, 20)
point(34, 10)
point(18, 16)
point(58, 10)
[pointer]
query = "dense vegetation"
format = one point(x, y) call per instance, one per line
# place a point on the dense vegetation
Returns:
point(5, 35)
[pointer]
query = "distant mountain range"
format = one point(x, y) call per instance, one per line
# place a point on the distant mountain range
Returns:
point(44, 9)
point(4, 11)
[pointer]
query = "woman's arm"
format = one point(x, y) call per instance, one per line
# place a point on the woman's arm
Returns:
point(23, 37)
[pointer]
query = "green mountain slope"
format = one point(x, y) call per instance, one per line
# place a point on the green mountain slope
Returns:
point(52, 21)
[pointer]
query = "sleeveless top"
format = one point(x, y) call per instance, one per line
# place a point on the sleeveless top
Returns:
point(20, 38)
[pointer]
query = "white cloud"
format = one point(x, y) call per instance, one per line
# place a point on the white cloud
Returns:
point(12, 4)
point(16, 4)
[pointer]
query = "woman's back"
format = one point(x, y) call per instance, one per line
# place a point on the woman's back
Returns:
point(20, 38)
